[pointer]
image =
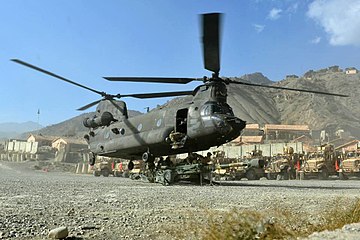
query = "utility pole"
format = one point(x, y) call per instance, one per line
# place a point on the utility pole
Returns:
point(38, 119)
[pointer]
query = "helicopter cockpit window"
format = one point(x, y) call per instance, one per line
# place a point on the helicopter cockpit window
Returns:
point(213, 108)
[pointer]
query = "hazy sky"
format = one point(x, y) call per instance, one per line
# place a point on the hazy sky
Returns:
point(84, 40)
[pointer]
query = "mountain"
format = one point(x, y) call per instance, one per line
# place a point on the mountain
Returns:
point(264, 105)
point(13, 130)
point(320, 112)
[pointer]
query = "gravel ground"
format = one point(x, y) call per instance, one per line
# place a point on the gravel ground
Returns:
point(32, 202)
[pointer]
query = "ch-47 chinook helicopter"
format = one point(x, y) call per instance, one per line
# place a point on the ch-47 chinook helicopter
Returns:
point(205, 121)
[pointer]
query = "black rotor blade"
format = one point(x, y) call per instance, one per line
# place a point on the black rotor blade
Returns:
point(89, 105)
point(153, 79)
point(285, 88)
point(159, 94)
point(211, 41)
point(56, 76)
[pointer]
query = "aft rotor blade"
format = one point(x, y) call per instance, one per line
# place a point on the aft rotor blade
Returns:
point(56, 76)
point(211, 41)
point(159, 95)
point(89, 105)
point(285, 88)
point(153, 79)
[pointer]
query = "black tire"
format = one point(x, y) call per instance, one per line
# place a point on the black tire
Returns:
point(145, 156)
point(105, 172)
point(126, 174)
point(96, 174)
point(168, 177)
point(342, 176)
point(131, 165)
point(251, 174)
point(323, 174)
point(285, 175)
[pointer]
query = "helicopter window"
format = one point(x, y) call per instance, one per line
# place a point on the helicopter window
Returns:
point(139, 127)
point(122, 131)
point(206, 110)
point(115, 130)
point(211, 108)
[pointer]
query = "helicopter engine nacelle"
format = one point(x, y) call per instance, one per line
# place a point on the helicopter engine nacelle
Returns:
point(104, 120)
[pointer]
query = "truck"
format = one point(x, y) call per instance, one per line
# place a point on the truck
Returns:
point(283, 166)
point(320, 164)
point(103, 168)
point(252, 169)
point(349, 166)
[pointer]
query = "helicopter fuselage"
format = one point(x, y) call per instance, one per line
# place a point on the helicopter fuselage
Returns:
point(205, 121)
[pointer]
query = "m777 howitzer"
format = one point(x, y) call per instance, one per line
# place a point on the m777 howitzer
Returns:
point(252, 169)
point(350, 166)
point(194, 168)
point(195, 172)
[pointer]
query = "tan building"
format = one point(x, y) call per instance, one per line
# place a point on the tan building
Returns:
point(248, 140)
point(252, 129)
point(349, 146)
point(41, 140)
point(276, 132)
point(70, 144)
point(351, 71)
point(70, 149)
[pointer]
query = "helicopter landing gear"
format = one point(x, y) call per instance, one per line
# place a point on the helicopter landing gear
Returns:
point(92, 158)
point(147, 156)
point(149, 159)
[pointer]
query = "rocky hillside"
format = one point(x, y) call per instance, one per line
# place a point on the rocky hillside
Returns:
point(320, 112)
point(263, 105)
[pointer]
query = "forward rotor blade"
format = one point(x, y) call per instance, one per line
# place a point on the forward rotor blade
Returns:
point(56, 76)
point(285, 88)
point(211, 41)
point(153, 79)
point(159, 95)
point(89, 105)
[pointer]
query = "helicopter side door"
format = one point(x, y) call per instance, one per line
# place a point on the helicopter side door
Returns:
point(181, 121)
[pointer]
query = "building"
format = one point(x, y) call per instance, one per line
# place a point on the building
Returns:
point(41, 139)
point(351, 70)
point(252, 129)
point(284, 133)
point(70, 144)
point(70, 149)
point(349, 146)
point(248, 140)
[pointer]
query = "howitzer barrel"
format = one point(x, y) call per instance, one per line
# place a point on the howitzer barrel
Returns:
point(229, 165)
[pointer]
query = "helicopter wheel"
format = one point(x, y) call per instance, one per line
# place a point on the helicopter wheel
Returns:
point(92, 159)
point(147, 156)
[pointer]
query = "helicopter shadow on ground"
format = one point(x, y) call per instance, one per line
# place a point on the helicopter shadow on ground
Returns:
point(283, 185)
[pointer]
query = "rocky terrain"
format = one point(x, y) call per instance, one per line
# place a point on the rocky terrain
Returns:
point(33, 202)
point(263, 105)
